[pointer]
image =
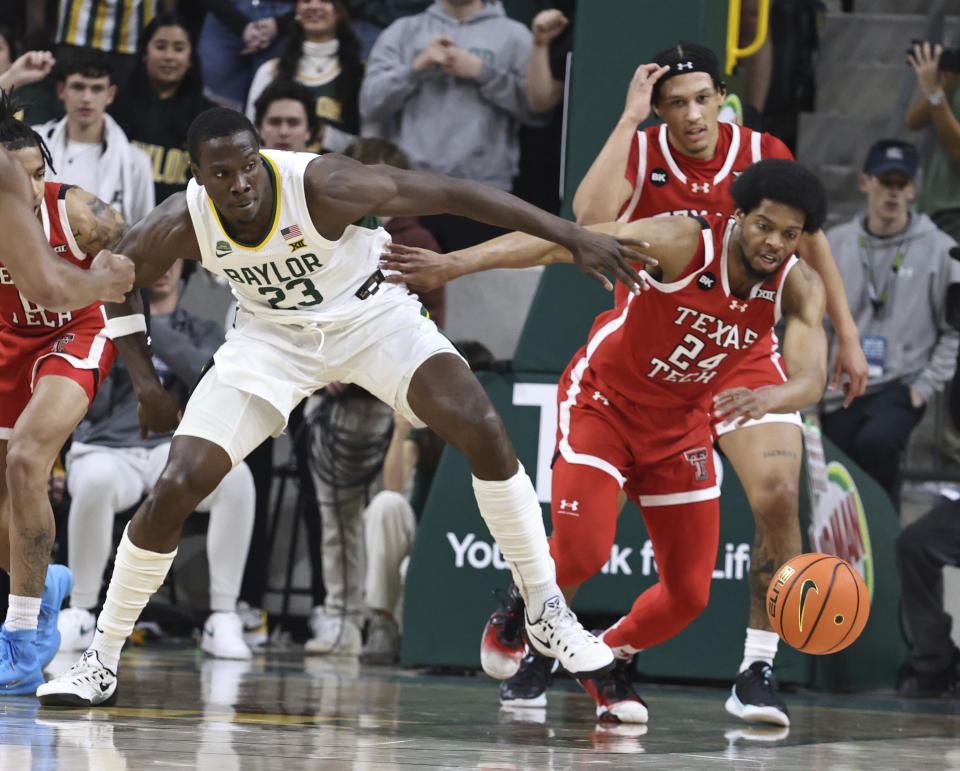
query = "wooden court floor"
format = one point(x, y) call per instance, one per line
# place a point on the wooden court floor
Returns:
point(177, 709)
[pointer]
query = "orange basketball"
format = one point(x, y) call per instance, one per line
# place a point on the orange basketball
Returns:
point(818, 603)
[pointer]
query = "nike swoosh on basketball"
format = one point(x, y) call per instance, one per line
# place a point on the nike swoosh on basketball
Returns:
point(807, 586)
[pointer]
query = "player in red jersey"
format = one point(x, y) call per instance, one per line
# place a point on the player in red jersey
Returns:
point(686, 165)
point(51, 363)
point(637, 402)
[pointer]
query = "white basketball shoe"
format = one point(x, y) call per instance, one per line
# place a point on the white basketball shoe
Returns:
point(223, 636)
point(76, 626)
point(559, 635)
point(86, 684)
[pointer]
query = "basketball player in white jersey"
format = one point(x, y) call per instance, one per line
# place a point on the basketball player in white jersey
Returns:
point(292, 235)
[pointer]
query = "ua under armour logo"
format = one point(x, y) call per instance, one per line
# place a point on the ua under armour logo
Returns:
point(684, 66)
point(569, 507)
point(700, 188)
point(735, 306)
point(599, 397)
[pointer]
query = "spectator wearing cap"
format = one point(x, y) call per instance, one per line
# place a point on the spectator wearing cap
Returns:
point(896, 267)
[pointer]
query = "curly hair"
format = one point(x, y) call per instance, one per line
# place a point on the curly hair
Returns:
point(783, 181)
point(15, 134)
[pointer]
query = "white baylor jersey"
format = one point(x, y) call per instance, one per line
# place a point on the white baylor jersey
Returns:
point(294, 275)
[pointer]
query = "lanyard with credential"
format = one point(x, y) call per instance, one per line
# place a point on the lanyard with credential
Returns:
point(878, 299)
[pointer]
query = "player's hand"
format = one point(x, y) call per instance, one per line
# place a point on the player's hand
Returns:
point(595, 252)
point(463, 64)
point(435, 54)
point(742, 404)
point(637, 107)
point(420, 269)
point(547, 25)
point(158, 411)
point(29, 68)
point(851, 362)
point(925, 60)
point(114, 273)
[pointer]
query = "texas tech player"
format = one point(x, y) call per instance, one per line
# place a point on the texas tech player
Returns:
point(686, 165)
point(636, 403)
point(51, 363)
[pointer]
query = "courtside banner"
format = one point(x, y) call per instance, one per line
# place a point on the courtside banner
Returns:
point(455, 566)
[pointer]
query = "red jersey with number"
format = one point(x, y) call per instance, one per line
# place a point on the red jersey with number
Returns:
point(672, 344)
point(16, 311)
point(665, 181)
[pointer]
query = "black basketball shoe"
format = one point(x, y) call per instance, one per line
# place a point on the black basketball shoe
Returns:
point(754, 696)
point(528, 688)
point(502, 644)
point(617, 701)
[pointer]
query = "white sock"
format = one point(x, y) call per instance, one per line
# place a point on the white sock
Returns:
point(512, 513)
point(760, 645)
point(22, 612)
point(137, 574)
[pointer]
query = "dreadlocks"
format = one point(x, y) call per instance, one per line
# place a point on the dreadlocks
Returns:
point(15, 134)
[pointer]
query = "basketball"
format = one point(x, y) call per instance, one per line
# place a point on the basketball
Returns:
point(818, 603)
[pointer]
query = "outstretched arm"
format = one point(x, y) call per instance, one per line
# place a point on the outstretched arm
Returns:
point(35, 268)
point(672, 239)
point(153, 244)
point(340, 191)
point(849, 360)
point(804, 353)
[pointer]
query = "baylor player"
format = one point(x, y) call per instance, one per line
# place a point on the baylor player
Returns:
point(280, 228)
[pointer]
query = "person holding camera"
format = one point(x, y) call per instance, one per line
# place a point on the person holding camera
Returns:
point(938, 75)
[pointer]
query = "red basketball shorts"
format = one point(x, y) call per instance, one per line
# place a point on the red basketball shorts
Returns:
point(78, 350)
point(659, 455)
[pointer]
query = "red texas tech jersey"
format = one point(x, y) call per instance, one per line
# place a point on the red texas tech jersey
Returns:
point(15, 309)
point(667, 182)
point(667, 346)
